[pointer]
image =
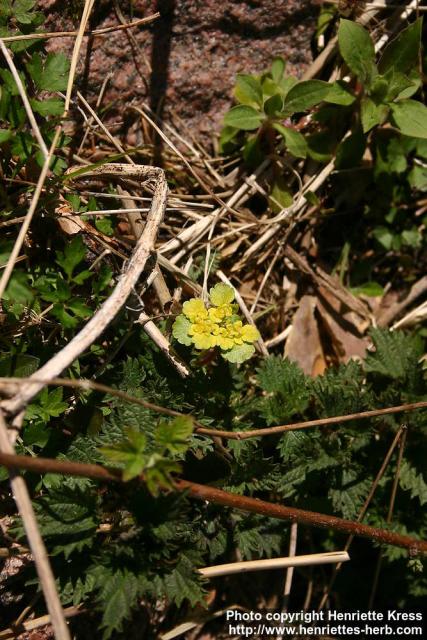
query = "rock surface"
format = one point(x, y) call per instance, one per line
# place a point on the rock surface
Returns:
point(186, 62)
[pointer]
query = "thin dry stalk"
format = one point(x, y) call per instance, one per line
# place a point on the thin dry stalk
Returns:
point(76, 51)
point(26, 102)
point(29, 216)
point(73, 34)
point(275, 563)
point(35, 541)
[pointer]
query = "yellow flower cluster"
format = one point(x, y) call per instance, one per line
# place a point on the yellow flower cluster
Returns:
point(216, 325)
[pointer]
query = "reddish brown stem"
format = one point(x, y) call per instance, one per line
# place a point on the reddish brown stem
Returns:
point(256, 433)
point(224, 498)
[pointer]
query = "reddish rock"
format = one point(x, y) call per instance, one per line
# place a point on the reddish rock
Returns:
point(194, 51)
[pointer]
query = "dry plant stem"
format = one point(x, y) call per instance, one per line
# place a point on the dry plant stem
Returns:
point(389, 515)
point(73, 34)
point(323, 279)
point(77, 45)
point(390, 314)
point(260, 342)
point(163, 343)
point(112, 139)
point(290, 571)
point(23, 94)
point(35, 541)
point(231, 435)
point(364, 509)
point(274, 563)
point(192, 234)
point(127, 281)
point(256, 433)
point(30, 625)
point(288, 214)
point(224, 498)
point(29, 216)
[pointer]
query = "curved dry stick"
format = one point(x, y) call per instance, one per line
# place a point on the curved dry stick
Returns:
point(224, 498)
point(127, 281)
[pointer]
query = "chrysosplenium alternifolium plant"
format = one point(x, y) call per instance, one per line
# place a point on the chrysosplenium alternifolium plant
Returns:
point(217, 325)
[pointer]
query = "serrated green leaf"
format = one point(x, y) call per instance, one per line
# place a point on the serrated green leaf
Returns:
point(174, 436)
point(410, 117)
point(50, 107)
point(243, 117)
point(72, 255)
point(411, 480)
point(357, 50)
point(305, 94)
point(51, 73)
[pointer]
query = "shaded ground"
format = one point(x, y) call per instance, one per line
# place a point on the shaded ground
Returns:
point(187, 61)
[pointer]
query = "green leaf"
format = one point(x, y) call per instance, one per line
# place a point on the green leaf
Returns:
point(410, 117)
point(340, 93)
point(73, 254)
point(357, 50)
point(395, 354)
point(50, 74)
point(273, 105)
point(118, 596)
point(228, 139)
point(384, 236)
point(280, 196)
point(18, 289)
point(50, 107)
point(248, 90)
point(243, 117)
point(105, 225)
point(20, 365)
point(350, 151)
point(5, 135)
point(180, 330)
point(174, 436)
point(372, 114)
point(221, 293)
point(401, 54)
point(182, 583)
point(278, 67)
point(411, 480)
point(239, 353)
point(305, 94)
point(370, 289)
point(401, 86)
point(294, 140)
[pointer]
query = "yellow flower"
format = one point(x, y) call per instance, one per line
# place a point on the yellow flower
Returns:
point(235, 333)
point(195, 310)
point(203, 334)
point(218, 314)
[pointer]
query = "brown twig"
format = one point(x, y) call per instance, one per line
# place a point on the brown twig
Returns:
point(363, 415)
point(73, 34)
point(224, 498)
